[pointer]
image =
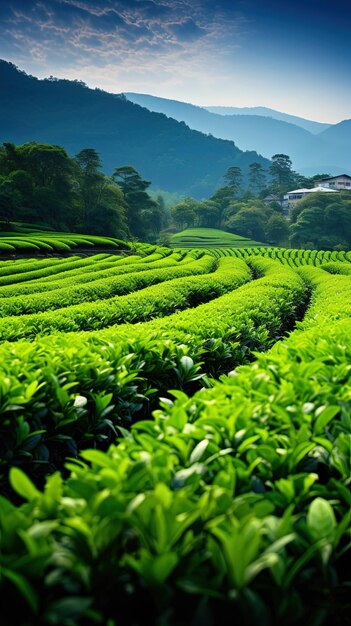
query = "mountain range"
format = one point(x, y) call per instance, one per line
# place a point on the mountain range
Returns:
point(67, 113)
point(313, 147)
point(178, 146)
point(310, 125)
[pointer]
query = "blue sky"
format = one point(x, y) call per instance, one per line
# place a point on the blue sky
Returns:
point(291, 56)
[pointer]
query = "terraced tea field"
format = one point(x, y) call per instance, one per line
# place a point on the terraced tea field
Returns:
point(175, 437)
point(210, 238)
point(17, 243)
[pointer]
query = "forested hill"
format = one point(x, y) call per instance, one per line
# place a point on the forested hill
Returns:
point(310, 125)
point(310, 151)
point(68, 113)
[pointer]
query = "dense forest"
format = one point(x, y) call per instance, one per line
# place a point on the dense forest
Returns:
point(41, 184)
point(255, 211)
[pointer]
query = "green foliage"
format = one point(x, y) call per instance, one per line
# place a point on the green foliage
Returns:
point(93, 315)
point(292, 257)
point(233, 501)
point(277, 229)
point(322, 221)
point(40, 182)
point(184, 499)
point(282, 175)
point(50, 394)
point(58, 242)
point(143, 213)
point(209, 238)
point(169, 153)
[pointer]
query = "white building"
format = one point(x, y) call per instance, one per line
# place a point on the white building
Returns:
point(294, 196)
point(341, 182)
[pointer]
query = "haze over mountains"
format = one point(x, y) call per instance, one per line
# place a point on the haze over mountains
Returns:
point(179, 147)
point(312, 146)
point(310, 125)
point(68, 113)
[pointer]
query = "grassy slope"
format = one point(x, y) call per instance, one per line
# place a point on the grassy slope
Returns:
point(24, 238)
point(210, 237)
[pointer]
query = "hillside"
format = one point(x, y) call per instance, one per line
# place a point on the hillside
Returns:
point(310, 153)
point(68, 113)
point(339, 133)
point(310, 125)
point(210, 238)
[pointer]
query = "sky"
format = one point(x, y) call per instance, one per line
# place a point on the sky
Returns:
point(290, 56)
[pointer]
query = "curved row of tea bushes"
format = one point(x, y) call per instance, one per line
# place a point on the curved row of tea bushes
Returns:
point(26, 273)
point(58, 241)
point(113, 261)
point(43, 270)
point(61, 299)
point(276, 306)
point(18, 436)
point(63, 393)
point(251, 318)
point(228, 507)
point(292, 257)
point(337, 268)
point(128, 264)
point(9, 268)
point(331, 298)
point(175, 292)
point(74, 285)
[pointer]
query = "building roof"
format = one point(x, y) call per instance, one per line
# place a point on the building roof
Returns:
point(271, 197)
point(313, 190)
point(334, 177)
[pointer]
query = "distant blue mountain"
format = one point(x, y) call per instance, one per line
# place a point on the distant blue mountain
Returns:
point(310, 153)
point(310, 125)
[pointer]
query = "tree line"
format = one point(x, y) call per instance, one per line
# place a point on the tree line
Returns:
point(255, 211)
point(41, 184)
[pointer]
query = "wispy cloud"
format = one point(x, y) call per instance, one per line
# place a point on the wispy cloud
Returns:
point(160, 36)
point(243, 52)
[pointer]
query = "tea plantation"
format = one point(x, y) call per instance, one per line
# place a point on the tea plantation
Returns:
point(175, 437)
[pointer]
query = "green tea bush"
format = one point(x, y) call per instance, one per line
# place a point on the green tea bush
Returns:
point(230, 506)
point(44, 269)
point(40, 244)
point(64, 297)
point(24, 244)
point(63, 241)
point(218, 502)
point(337, 267)
point(6, 247)
point(331, 298)
point(92, 273)
point(116, 374)
point(292, 257)
point(147, 303)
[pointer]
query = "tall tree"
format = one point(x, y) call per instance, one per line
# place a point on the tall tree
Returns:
point(50, 166)
point(208, 214)
point(248, 222)
point(183, 213)
point(277, 229)
point(143, 213)
point(257, 178)
point(224, 195)
point(103, 207)
point(281, 172)
point(233, 177)
point(91, 181)
point(52, 177)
